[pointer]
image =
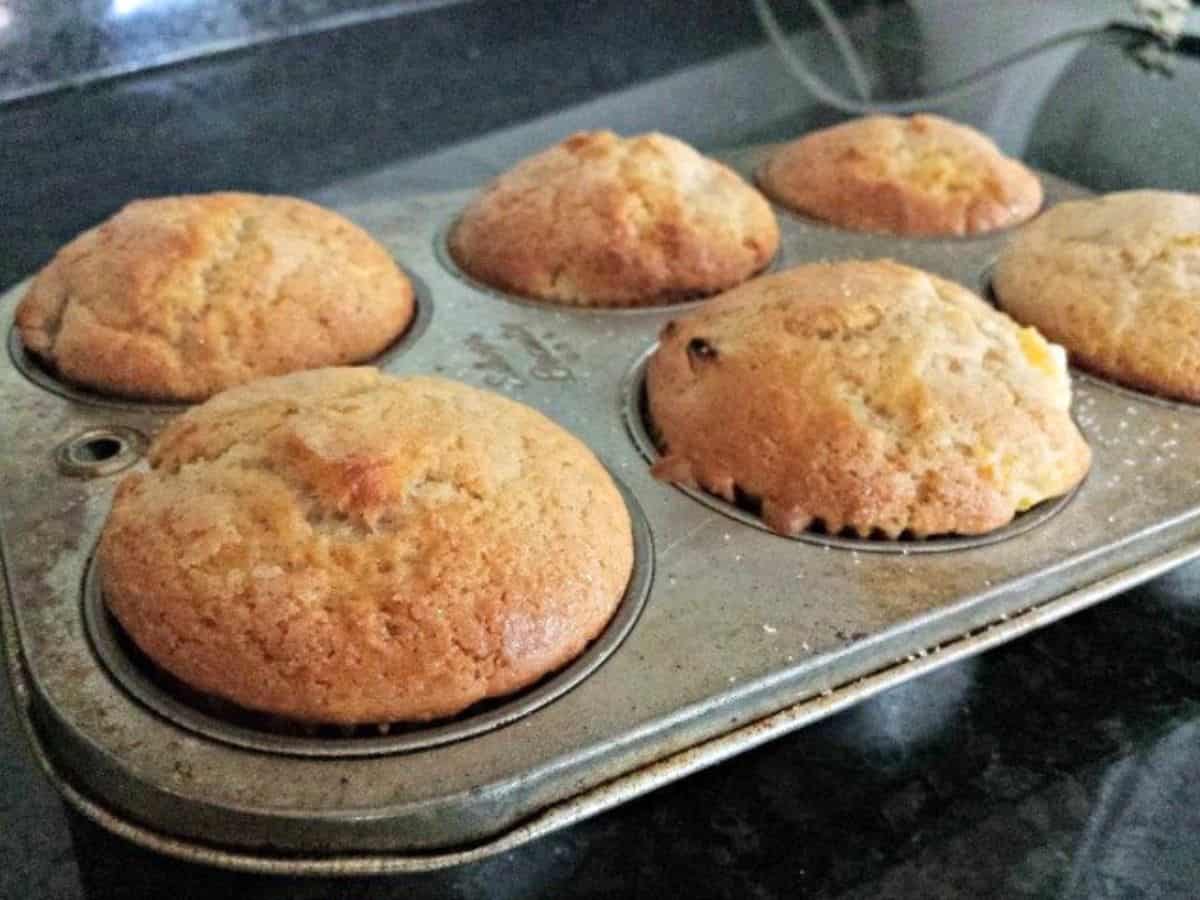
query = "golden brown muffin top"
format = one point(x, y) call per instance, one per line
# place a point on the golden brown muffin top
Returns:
point(343, 546)
point(923, 175)
point(1116, 280)
point(867, 396)
point(180, 297)
point(600, 220)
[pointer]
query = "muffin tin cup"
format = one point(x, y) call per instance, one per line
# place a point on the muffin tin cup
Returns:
point(783, 211)
point(42, 374)
point(640, 427)
point(1080, 374)
point(441, 247)
point(744, 634)
point(225, 722)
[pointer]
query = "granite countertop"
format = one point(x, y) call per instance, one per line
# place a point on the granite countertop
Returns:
point(1061, 765)
point(49, 44)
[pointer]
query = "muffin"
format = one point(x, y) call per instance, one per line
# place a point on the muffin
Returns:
point(1116, 280)
point(180, 297)
point(599, 220)
point(924, 175)
point(340, 546)
point(864, 396)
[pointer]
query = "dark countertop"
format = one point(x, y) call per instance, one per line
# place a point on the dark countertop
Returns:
point(46, 44)
point(295, 115)
point(1061, 765)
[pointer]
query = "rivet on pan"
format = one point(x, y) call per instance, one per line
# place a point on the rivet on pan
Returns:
point(100, 451)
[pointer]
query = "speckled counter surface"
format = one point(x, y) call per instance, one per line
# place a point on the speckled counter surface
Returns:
point(1062, 765)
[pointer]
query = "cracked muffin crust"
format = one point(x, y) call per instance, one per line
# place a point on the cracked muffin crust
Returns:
point(923, 175)
point(177, 298)
point(342, 546)
point(864, 396)
point(1116, 280)
point(600, 220)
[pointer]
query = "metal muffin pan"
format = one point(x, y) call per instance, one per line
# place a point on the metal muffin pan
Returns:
point(745, 634)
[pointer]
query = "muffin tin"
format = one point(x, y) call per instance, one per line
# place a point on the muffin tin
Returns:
point(744, 635)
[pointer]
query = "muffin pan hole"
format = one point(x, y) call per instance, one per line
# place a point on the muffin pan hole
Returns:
point(226, 722)
point(747, 507)
point(989, 294)
point(441, 246)
point(100, 451)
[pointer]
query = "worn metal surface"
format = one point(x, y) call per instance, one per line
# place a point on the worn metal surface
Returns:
point(739, 625)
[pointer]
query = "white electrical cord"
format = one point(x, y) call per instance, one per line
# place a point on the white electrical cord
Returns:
point(850, 58)
point(952, 91)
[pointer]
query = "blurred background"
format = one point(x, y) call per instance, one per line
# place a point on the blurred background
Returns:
point(162, 96)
